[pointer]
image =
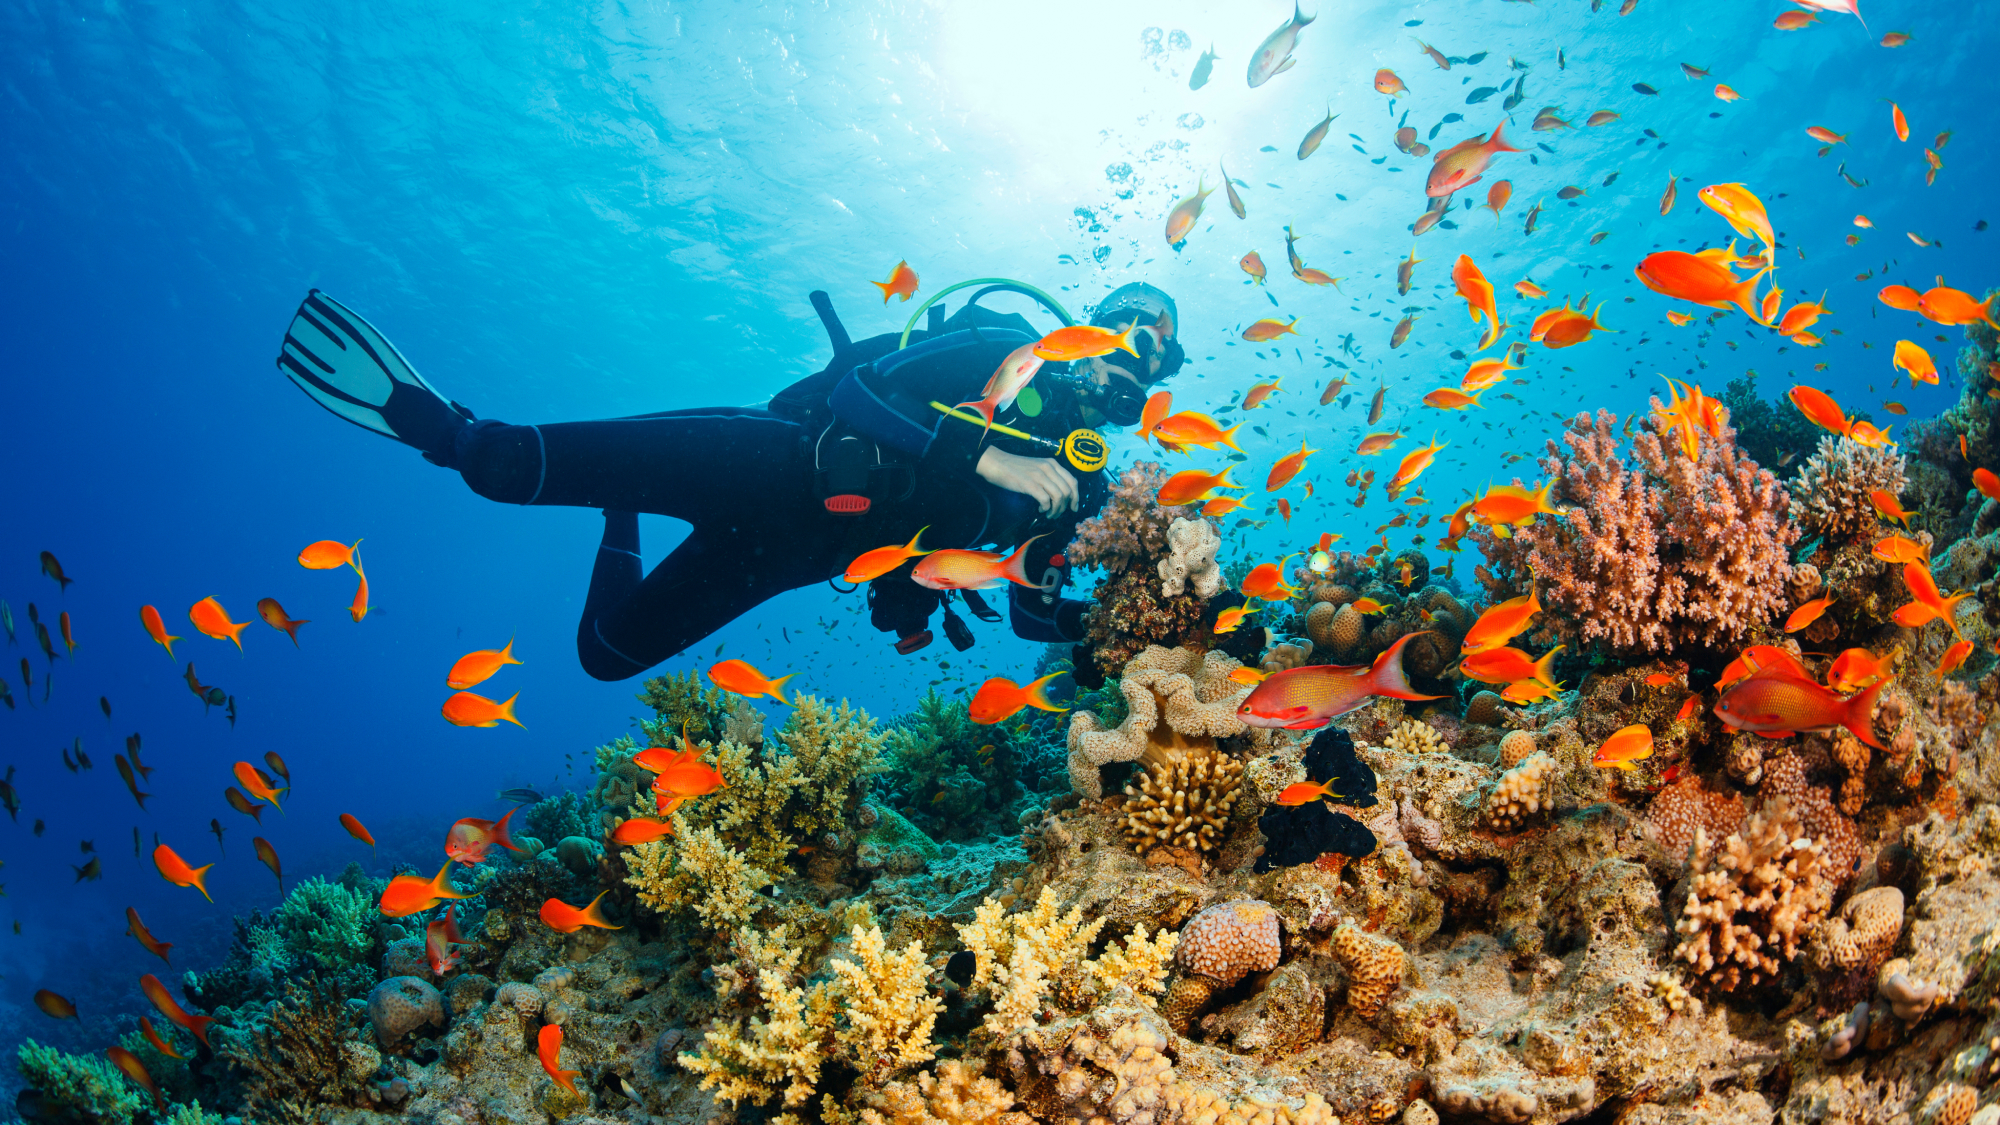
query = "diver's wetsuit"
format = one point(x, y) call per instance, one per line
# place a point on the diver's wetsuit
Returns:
point(745, 479)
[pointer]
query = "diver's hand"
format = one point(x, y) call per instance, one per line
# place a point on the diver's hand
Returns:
point(1050, 485)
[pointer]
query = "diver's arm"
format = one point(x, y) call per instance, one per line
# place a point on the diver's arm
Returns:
point(1041, 479)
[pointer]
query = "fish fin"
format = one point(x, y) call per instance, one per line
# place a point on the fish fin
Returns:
point(1386, 677)
point(1859, 713)
point(1038, 695)
point(912, 544)
point(985, 409)
point(507, 713)
point(884, 287)
point(1015, 569)
point(1290, 62)
point(777, 687)
point(595, 916)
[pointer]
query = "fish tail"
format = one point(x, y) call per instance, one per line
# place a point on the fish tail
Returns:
point(984, 407)
point(775, 688)
point(912, 546)
point(1859, 713)
point(1949, 612)
point(199, 877)
point(595, 917)
point(141, 798)
point(1498, 143)
point(1015, 569)
point(1387, 676)
point(1124, 342)
point(502, 836)
point(1229, 437)
point(1038, 694)
point(506, 654)
point(1542, 667)
point(507, 711)
point(884, 287)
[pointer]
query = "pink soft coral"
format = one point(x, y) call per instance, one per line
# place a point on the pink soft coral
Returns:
point(1668, 551)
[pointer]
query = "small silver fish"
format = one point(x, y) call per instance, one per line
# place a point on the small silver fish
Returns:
point(1312, 140)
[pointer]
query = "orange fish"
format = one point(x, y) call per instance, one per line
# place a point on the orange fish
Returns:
point(1775, 703)
point(1181, 220)
point(1507, 505)
point(1500, 624)
point(1743, 211)
point(1189, 486)
point(1807, 613)
point(1865, 433)
point(164, 1001)
point(157, 629)
point(1687, 708)
point(1954, 657)
point(548, 1048)
point(870, 565)
point(1564, 327)
point(1266, 581)
point(1529, 691)
point(1949, 306)
point(1825, 136)
point(1793, 20)
point(439, 937)
point(1690, 277)
point(138, 930)
point(360, 607)
point(1386, 82)
point(1412, 466)
point(1248, 676)
point(1923, 585)
point(243, 804)
point(1376, 443)
point(1485, 373)
point(1269, 328)
point(1856, 668)
point(1987, 483)
point(1898, 122)
point(1898, 296)
point(1890, 508)
point(1725, 92)
point(1899, 550)
point(469, 709)
point(1222, 506)
point(1530, 290)
point(175, 870)
point(1317, 277)
point(1332, 390)
point(478, 667)
point(471, 838)
point(902, 283)
point(1082, 341)
point(1301, 792)
point(159, 1043)
point(1624, 747)
point(1497, 196)
point(1911, 357)
point(563, 918)
point(269, 856)
point(1006, 384)
point(1801, 316)
point(1227, 622)
point(1507, 665)
point(947, 569)
point(1820, 409)
point(641, 830)
point(1450, 398)
point(356, 829)
point(1158, 406)
point(1253, 265)
point(1680, 319)
point(257, 783)
point(1255, 397)
point(1865, 223)
point(411, 894)
point(274, 616)
point(1758, 658)
point(1472, 285)
point(999, 699)
point(1310, 696)
point(1896, 408)
point(1191, 427)
point(1895, 39)
point(129, 1064)
point(1287, 467)
point(1462, 165)
point(327, 555)
point(213, 621)
point(54, 1006)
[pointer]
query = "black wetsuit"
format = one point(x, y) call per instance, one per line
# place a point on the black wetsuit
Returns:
point(747, 480)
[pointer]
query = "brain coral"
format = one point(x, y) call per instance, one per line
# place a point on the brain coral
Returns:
point(1177, 698)
point(1374, 968)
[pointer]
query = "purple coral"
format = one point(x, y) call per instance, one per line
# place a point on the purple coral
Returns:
point(1661, 552)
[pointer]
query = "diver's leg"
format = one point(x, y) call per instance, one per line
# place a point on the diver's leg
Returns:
point(708, 581)
point(712, 464)
point(349, 367)
point(616, 574)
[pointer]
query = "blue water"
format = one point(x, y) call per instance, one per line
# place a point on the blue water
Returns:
point(564, 212)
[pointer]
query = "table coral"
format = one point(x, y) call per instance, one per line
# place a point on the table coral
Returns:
point(1662, 552)
point(1176, 698)
point(1754, 899)
point(1830, 491)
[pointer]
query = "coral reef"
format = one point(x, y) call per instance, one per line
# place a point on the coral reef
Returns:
point(1176, 699)
point(1191, 549)
point(1830, 492)
point(75, 1088)
point(1667, 553)
point(1136, 603)
point(1754, 899)
point(952, 777)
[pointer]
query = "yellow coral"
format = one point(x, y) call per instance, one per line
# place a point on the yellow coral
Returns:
point(958, 1094)
point(1140, 966)
point(695, 870)
point(1020, 958)
point(1413, 737)
point(890, 1012)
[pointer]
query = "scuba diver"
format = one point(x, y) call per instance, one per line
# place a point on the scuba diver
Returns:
point(871, 450)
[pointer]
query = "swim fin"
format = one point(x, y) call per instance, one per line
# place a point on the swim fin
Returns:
point(338, 358)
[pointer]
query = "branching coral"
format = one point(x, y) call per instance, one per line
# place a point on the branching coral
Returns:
point(958, 1094)
point(1667, 552)
point(1020, 959)
point(875, 1015)
point(960, 776)
point(1830, 491)
point(695, 870)
point(679, 700)
point(296, 1058)
point(1754, 899)
point(1520, 793)
point(80, 1088)
point(1128, 538)
point(1181, 798)
point(1176, 699)
point(1413, 737)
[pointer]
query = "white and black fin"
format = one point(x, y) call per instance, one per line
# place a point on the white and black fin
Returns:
point(350, 368)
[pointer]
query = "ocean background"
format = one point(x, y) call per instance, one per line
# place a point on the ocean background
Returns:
point(566, 212)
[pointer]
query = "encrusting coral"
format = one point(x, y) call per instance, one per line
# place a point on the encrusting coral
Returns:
point(1665, 553)
point(1374, 968)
